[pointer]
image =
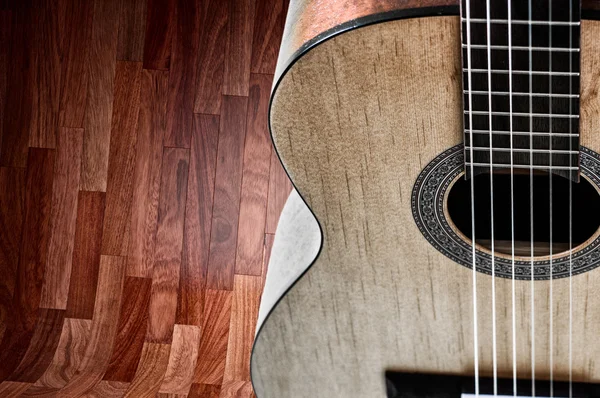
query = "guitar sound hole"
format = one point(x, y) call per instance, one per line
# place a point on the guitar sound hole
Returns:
point(585, 212)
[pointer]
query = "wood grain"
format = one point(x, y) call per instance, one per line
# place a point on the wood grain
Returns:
point(86, 255)
point(280, 187)
point(182, 360)
point(269, 239)
point(255, 181)
point(238, 50)
point(6, 18)
point(182, 74)
point(13, 389)
point(213, 36)
point(46, 69)
point(108, 389)
point(212, 353)
point(32, 260)
point(132, 30)
point(131, 331)
point(150, 372)
point(101, 63)
point(198, 218)
point(232, 133)
point(121, 159)
point(63, 218)
point(269, 22)
point(204, 391)
point(237, 389)
point(159, 33)
point(77, 21)
point(146, 181)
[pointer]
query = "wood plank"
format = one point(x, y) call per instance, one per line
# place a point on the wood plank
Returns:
point(131, 331)
point(150, 132)
point(182, 76)
point(204, 391)
point(104, 327)
point(198, 218)
point(77, 24)
point(42, 347)
point(86, 255)
point(5, 39)
point(232, 133)
point(237, 389)
point(212, 353)
point(46, 75)
point(10, 389)
point(169, 241)
point(160, 26)
point(112, 389)
point(132, 30)
point(244, 313)
point(182, 360)
point(238, 49)
point(269, 22)
point(150, 372)
point(63, 216)
point(269, 239)
point(19, 100)
point(121, 159)
point(211, 60)
point(101, 68)
point(280, 187)
point(32, 260)
point(255, 181)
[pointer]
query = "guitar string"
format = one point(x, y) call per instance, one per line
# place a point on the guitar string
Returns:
point(474, 269)
point(570, 212)
point(551, 284)
point(490, 127)
point(532, 302)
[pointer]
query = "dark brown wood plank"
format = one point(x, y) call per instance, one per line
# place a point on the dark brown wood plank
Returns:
point(42, 347)
point(182, 76)
point(133, 320)
point(32, 260)
point(77, 26)
point(204, 391)
point(255, 181)
point(46, 59)
point(65, 190)
point(215, 336)
point(121, 160)
point(269, 22)
point(198, 218)
point(86, 255)
point(280, 187)
point(132, 30)
point(159, 33)
point(101, 68)
point(169, 241)
point(19, 99)
point(146, 182)
point(232, 133)
point(211, 59)
point(238, 50)
point(5, 39)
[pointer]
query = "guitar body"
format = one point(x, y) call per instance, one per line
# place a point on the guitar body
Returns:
point(355, 120)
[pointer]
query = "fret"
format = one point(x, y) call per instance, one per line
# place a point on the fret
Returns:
point(522, 22)
point(517, 94)
point(520, 48)
point(523, 150)
point(515, 114)
point(522, 166)
point(524, 133)
point(523, 72)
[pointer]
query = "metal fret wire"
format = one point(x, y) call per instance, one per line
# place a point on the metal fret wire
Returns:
point(523, 94)
point(522, 150)
point(524, 48)
point(557, 116)
point(523, 22)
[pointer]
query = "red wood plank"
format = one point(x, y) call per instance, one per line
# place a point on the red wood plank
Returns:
point(77, 26)
point(182, 76)
point(86, 255)
point(42, 348)
point(63, 218)
point(280, 187)
point(237, 389)
point(232, 133)
point(121, 160)
point(159, 34)
point(204, 391)
point(5, 39)
point(131, 330)
point(238, 51)
point(269, 239)
point(255, 182)
point(132, 30)
point(32, 260)
point(268, 29)
point(212, 353)
point(198, 218)
point(19, 99)
point(46, 75)
point(146, 182)
point(213, 36)
point(182, 361)
point(169, 241)
point(151, 371)
point(101, 68)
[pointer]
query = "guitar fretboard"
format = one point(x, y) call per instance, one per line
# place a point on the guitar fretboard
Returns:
point(528, 69)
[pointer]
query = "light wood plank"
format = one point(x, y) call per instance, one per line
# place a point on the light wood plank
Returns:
point(150, 372)
point(182, 360)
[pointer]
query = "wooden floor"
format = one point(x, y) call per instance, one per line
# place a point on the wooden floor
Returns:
point(139, 194)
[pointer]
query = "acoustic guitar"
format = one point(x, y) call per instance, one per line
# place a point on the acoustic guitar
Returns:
point(451, 156)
